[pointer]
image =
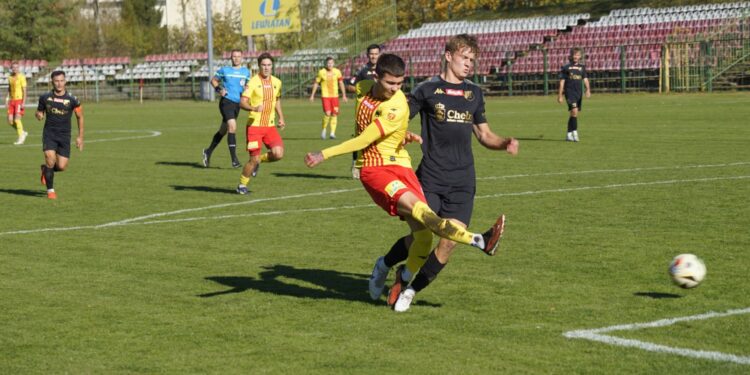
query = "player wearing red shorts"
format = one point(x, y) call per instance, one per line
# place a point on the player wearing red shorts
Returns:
point(262, 99)
point(382, 117)
point(330, 81)
point(16, 102)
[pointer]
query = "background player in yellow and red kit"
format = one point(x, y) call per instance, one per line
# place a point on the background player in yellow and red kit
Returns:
point(17, 101)
point(330, 80)
point(262, 99)
point(382, 117)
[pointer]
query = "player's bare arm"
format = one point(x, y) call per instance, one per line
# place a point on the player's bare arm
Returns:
point(314, 158)
point(245, 104)
point(560, 91)
point(79, 118)
point(281, 124)
point(39, 115)
point(490, 140)
point(343, 91)
point(588, 88)
point(314, 89)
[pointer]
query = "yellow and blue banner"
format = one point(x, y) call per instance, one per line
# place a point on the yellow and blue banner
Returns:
point(270, 17)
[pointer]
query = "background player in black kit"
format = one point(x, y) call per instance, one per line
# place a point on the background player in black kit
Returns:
point(571, 76)
point(58, 107)
point(451, 110)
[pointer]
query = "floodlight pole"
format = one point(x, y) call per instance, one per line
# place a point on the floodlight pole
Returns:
point(210, 29)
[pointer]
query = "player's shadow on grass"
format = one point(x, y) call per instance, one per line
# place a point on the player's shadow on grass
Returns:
point(540, 138)
point(311, 175)
point(30, 193)
point(288, 281)
point(656, 295)
point(181, 164)
point(207, 189)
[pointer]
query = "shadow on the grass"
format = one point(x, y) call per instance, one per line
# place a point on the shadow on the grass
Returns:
point(30, 193)
point(311, 175)
point(330, 284)
point(656, 295)
point(181, 164)
point(541, 138)
point(207, 189)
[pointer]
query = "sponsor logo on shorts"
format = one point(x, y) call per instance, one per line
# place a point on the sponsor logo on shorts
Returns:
point(252, 145)
point(393, 187)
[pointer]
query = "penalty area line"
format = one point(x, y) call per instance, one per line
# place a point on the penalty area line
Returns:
point(598, 336)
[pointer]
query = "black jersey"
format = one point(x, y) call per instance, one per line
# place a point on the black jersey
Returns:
point(573, 74)
point(366, 72)
point(58, 111)
point(448, 113)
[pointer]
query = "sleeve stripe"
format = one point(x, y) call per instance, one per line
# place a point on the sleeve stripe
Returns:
point(380, 127)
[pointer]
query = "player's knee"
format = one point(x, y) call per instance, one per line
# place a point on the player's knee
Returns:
point(445, 249)
point(277, 153)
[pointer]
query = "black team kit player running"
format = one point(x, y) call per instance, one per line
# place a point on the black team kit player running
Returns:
point(571, 76)
point(451, 110)
point(56, 108)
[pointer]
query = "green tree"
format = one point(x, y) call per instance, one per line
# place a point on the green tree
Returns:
point(139, 30)
point(34, 29)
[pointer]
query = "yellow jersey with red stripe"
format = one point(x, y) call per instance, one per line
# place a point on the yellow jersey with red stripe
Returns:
point(329, 82)
point(263, 91)
point(16, 84)
point(381, 128)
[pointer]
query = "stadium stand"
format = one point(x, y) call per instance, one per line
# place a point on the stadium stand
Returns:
point(30, 68)
point(89, 69)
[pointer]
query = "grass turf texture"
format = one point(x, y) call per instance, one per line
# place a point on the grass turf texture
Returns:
point(277, 281)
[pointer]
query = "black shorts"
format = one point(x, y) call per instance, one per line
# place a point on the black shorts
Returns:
point(452, 203)
point(574, 103)
point(60, 143)
point(229, 110)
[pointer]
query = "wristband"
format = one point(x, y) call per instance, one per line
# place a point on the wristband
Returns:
point(217, 89)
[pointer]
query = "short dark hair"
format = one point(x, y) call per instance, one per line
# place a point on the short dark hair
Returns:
point(57, 73)
point(235, 50)
point(462, 41)
point(263, 56)
point(573, 52)
point(373, 46)
point(329, 58)
point(391, 64)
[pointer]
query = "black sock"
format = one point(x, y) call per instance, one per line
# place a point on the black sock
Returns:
point(57, 169)
point(354, 155)
point(215, 141)
point(49, 176)
point(398, 253)
point(427, 273)
point(575, 123)
point(571, 121)
point(232, 142)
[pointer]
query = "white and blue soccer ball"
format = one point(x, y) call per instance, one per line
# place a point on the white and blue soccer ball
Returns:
point(687, 270)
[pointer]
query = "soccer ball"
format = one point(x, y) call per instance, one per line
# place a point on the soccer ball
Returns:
point(687, 271)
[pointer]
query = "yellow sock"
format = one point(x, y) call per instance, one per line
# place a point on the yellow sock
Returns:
point(19, 127)
point(264, 158)
point(442, 227)
point(419, 250)
point(244, 180)
point(334, 122)
point(326, 120)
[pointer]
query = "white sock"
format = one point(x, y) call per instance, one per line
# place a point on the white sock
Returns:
point(478, 241)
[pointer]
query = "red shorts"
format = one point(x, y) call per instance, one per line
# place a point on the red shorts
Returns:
point(331, 105)
point(388, 183)
point(16, 107)
point(257, 135)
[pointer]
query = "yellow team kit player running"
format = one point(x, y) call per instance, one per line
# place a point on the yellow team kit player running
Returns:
point(16, 101)
point(330, 80)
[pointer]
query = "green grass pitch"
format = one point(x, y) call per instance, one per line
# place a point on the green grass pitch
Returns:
point(149, 263)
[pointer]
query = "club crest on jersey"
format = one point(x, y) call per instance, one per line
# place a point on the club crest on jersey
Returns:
point(469, 95)
point(391, 116)
point(453, 92)
point(439, 91)
point(440, 112)
point(393, 187)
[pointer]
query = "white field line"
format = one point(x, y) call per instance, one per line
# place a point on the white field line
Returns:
point(599, 336)
point(153, 133)
point(139, 219)
point(626, 170)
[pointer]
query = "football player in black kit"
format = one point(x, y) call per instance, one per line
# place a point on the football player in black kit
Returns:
point(451, 110)
point(571, 76)
point(58, 106)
